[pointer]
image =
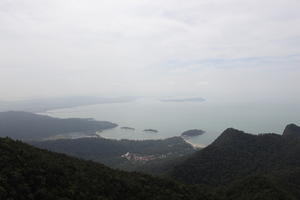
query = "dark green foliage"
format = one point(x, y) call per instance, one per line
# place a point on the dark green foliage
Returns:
point(109, 152)
point(30, 173)
point(237, 166)
point(24, 125)
point(243, 166)
point(255, 188)
point(159, 167)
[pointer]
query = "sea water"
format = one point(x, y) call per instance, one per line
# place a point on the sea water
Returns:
point(173, 118)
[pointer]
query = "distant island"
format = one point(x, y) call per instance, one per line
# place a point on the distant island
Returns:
point(192, 99)
point(151, 130)
point(127, 128)
point(192, 133)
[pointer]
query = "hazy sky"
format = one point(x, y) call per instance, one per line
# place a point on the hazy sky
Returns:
point(227, 49)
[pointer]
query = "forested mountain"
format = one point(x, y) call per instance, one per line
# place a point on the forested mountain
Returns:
point(28, 126)
point(253, 165)
point(235, 166)
point(291, 130)
point(146, 155)
point(27, 172)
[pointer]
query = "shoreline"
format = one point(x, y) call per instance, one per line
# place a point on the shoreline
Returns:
point(195, 146)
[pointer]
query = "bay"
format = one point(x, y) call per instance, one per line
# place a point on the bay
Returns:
point(173, 118)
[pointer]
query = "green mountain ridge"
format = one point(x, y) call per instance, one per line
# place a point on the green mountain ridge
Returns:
point(236, 166)
point(154, 154)
point(27, 172)
point(242, 163)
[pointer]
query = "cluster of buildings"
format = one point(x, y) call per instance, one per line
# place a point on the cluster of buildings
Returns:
point(143, 158)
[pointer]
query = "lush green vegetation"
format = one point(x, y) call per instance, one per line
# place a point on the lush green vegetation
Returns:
point(30, 173)
point(236, 166)
point(109, 152)
point(243, 166)
point(24, 125)
point(259, 187)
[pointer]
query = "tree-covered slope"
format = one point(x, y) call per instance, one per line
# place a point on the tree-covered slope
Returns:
point(245, 164)
point(146, 155)
point(28, 126)
point(27, 172)
point(261, 187)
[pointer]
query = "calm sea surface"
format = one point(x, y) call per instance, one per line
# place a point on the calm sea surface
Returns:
point(172, 118)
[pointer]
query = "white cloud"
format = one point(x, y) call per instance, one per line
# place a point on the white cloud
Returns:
point(60, 47)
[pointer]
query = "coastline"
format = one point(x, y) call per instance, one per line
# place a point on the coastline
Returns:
point(195, 146)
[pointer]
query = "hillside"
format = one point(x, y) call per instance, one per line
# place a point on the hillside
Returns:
point(29, 126)
point(27, 172)
point(243, 163)
point(236, 166)
point(144, 155)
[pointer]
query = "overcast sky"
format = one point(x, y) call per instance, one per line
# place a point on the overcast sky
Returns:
point(226, 49)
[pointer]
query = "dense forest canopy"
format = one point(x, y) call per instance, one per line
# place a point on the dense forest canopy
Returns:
point(235, 166)
point(27, 172)
point(146, 155)
point(265, 164)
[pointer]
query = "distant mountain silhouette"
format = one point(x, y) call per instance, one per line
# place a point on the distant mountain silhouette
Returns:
point(291, 130)
point(29, 126)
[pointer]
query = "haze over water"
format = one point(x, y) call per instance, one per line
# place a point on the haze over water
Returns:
point(172, 118)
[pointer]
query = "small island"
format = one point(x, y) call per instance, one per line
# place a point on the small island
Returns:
point(128, 128)
point(182, 100)
point(151, 130)
point(192, 133)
